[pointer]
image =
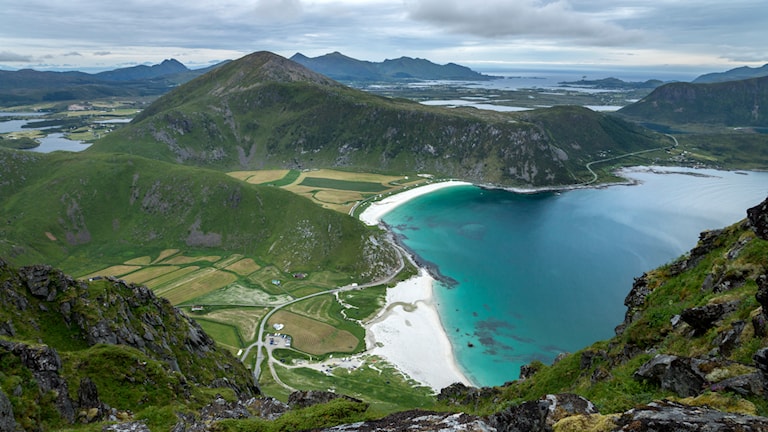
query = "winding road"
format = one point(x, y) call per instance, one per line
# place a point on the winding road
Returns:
point(259, 344)
point(594, 174)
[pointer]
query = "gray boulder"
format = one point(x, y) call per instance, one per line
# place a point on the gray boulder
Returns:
point(7, 421)
point(678, 374)
point(758, 219)
point(666, 416)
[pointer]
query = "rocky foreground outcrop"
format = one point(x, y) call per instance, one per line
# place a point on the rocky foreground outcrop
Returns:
point(568, 412)
point(56, 339)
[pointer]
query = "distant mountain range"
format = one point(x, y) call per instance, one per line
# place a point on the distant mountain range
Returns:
point(342, 68)
point(614, 84)
point(739, 73)
point(730, 103)
point(28, 86)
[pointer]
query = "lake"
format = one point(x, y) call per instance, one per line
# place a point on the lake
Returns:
point(48, 143)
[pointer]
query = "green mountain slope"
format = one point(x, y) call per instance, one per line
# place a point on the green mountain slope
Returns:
point(263, 111)
point(732, 103)
point(82, 211)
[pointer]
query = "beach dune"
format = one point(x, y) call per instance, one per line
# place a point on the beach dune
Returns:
point(408, 332)
point(376, 210)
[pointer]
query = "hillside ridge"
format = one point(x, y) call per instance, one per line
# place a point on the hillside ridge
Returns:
point(731, 103)
point(263, 111)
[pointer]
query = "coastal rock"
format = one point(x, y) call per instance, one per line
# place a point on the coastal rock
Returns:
point(678, 374)
point(418, 421)
point(134, 426)
point(459, 394)
point(728, 340)
point(752, 384)
point(44, 363)
point(541, 415)
point(762, 292)
point(708, 241)
point(761, 360)
point(758, 219)
point(669, 416)
point(44, 282)
point(634, 301)
point(7, 421)
point(589, 358)
point(267, 408)
point(88, 401)
point(528, 370)
point(526, 417)
point(303, 399)
point(702, 318)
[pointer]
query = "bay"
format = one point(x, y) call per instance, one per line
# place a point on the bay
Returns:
point(528, 276)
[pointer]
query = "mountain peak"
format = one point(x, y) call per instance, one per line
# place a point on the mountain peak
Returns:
point(267, 66)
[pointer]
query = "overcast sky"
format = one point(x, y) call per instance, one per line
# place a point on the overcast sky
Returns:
point(695, 35)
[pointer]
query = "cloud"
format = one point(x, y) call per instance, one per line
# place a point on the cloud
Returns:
point(7, 56)
point(278, 10)
point(72, 54)
point(521, 19)
point(102, 53)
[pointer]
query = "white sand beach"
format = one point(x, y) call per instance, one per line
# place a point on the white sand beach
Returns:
point(408, 333)
point(377, 209)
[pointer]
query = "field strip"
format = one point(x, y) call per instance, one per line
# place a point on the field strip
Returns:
point(165, 254)
point(200, 286)
point(244, 267)
point(227, 261)
point(149, 273)
point(185, 280)
point(117, 270)
point(169, 277)
point(183, 259)
point(143, 261)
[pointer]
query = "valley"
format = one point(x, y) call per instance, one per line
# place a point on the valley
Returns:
point(230, 196)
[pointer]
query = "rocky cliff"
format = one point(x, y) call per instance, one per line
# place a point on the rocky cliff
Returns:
point(99, 350)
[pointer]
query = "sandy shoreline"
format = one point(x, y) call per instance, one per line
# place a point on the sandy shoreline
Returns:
point(377, 209)
point(408, 332)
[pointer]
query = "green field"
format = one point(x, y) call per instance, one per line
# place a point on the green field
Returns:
point(343, 185)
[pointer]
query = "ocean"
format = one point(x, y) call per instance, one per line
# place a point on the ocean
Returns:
point(526, 277)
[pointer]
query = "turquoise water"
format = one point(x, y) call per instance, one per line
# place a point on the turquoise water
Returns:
point(528, 276)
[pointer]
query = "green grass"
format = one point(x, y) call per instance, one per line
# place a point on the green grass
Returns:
point(366, 302)
point(289, 178)
point(387, 391)
point(357, 186)
point(225, 334)
point(336, 412)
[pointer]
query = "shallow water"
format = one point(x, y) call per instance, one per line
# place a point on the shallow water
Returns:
point(533, 275)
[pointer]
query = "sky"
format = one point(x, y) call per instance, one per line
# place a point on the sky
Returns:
point(695, 36)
